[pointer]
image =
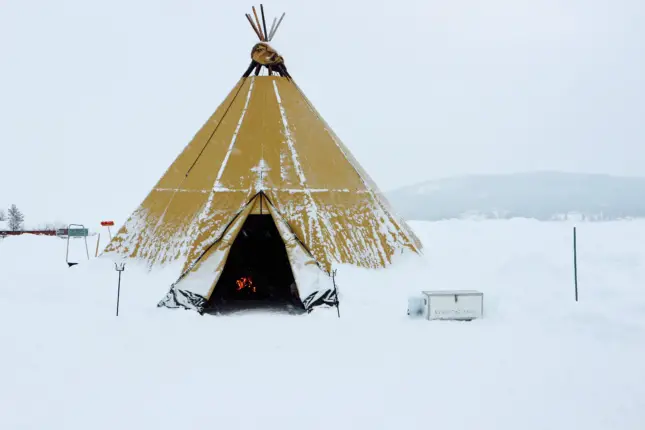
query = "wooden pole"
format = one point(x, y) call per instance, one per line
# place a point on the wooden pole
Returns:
point(575, 262)
point(264, 22)
point(253, 26)
point(97, 246)
point(272, 28)
point(277, 25)
point(257, 20)
point(249, 70)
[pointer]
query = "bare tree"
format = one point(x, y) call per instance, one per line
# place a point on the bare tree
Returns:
point(3, 217)
point(16, 219)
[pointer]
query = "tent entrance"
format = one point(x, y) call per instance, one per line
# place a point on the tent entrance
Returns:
point(257, 273)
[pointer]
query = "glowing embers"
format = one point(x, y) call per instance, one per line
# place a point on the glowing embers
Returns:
point(245, 282)
point(257, 273)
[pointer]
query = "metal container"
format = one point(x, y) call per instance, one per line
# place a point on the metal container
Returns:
point(454, 305)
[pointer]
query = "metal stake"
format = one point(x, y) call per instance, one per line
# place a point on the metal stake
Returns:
point(575, 262)
point(333, 279)
point(119, 268)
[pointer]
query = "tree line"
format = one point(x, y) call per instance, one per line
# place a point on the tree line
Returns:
point(14, 218)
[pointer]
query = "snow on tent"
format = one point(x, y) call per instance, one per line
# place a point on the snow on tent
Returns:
point(262, 202)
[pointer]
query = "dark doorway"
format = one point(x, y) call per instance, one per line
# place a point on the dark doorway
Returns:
point(257, 274)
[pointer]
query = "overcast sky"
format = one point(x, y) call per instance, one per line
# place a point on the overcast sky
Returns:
point(98, 98)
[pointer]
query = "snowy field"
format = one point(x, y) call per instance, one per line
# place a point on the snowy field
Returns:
point(538, 360)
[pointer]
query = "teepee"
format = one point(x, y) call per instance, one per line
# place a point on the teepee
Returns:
point(263, 201)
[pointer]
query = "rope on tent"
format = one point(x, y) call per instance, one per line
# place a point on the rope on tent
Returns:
point(216, 127)
point(172, 198)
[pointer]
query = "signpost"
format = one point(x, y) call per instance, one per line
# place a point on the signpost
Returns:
point(108, 224)
point(79, 232)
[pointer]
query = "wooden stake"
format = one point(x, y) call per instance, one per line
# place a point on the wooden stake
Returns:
point(97, 246)
point(264, 22)
point(257, 20)
point(253, 26)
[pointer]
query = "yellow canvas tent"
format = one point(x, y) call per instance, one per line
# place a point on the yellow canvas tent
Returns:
point(262, 202)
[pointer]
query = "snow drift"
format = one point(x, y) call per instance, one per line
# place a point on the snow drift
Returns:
point(538, 360)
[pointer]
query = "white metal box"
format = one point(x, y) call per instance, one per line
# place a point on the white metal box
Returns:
point(454, 305)
point(418, 307)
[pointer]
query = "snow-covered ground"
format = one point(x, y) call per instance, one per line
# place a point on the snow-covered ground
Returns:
point(538, 360)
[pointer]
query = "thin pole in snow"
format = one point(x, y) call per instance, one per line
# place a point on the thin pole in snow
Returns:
point(333, 279)
point(575, 262)
point(98, 241)
point(119, 268)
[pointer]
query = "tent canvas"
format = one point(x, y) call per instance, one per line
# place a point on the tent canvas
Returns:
point(265, 150)
point(313, 285)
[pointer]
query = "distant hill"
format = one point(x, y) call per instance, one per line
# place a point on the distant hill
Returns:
point(539, 195)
